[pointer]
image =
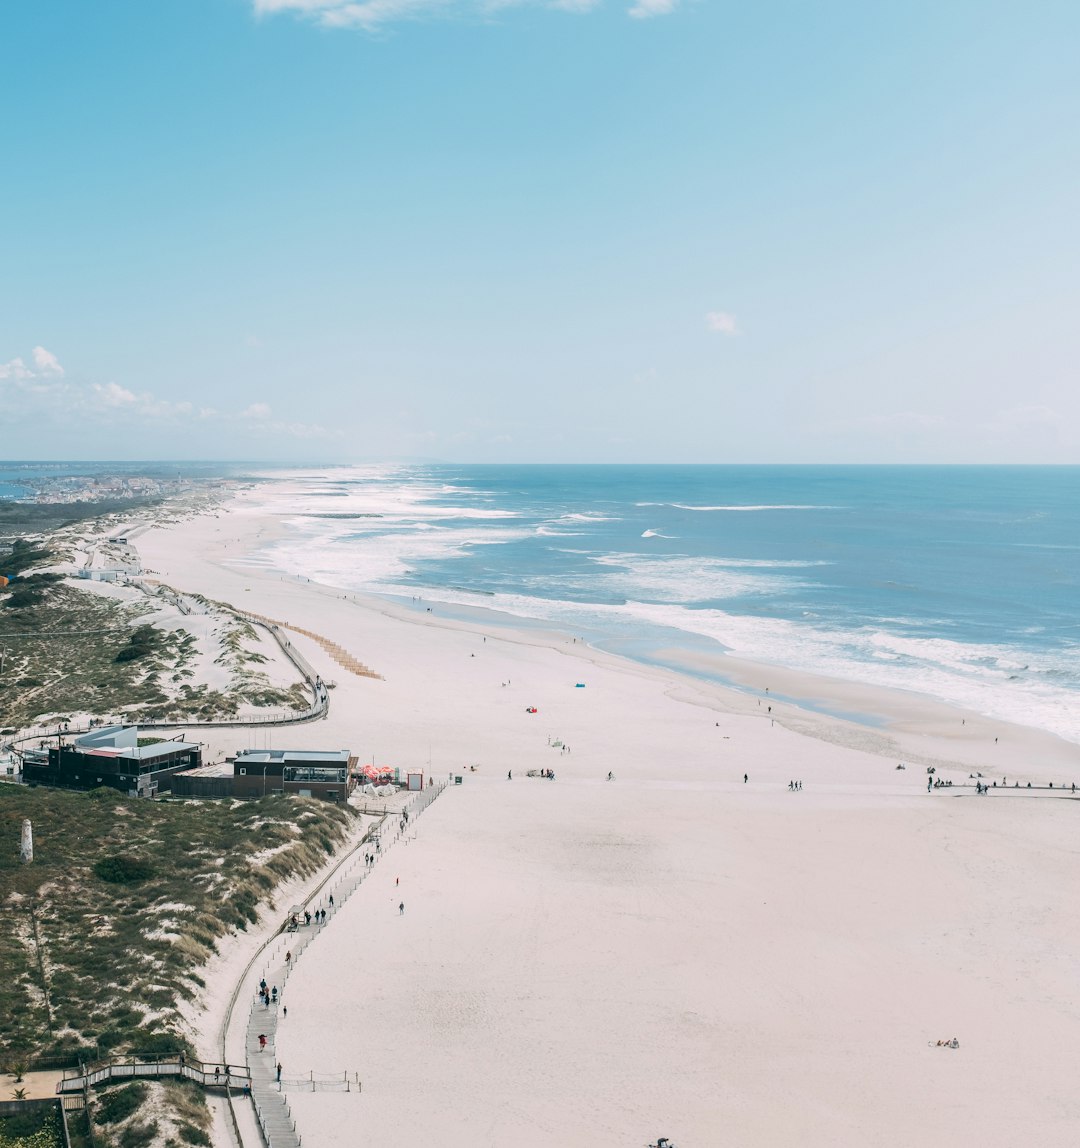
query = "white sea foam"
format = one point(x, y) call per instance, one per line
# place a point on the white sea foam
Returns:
point(383, 557)
point(679, 578)
point(371, 528)
point(741, 507)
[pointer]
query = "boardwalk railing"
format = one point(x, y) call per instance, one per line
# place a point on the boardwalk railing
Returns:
point(279, 960)
point(76, 1080)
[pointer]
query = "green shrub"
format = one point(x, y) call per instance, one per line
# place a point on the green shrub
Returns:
point(23, 1125)
point(123, 869)
point(144, 641)
point(138, 1135)
point(152, 1044)
point(192, 1135)
point(115, 1106)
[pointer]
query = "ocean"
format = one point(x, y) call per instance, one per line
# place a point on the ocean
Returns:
point(960, 583)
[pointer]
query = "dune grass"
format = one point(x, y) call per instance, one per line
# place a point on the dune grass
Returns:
point(105, 932)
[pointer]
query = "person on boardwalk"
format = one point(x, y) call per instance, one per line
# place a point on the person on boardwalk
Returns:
point(279, 1073)
point(262, 1041)
point(288, 957)
point(401, 909)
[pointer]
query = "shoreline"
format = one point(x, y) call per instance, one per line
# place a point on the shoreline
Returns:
point(887, 721)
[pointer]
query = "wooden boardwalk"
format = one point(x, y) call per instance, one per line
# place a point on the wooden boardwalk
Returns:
point(127, 1068)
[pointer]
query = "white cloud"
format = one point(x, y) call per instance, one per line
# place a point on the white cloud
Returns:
point(114, 395)
point(645, 9)
point(722, 323)
point(46, 362)
point(42, 396)
point(373, 14)
point(46, 365)
point(15, 369)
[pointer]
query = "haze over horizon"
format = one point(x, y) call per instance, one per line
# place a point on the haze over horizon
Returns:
point(567, 231)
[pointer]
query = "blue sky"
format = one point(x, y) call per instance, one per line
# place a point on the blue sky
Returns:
point(623, 230)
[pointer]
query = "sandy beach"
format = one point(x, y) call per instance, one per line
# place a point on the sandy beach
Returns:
point(678, 951)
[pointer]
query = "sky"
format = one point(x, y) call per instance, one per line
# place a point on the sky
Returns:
point(540, 230)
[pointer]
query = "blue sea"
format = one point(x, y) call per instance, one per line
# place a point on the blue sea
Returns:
point(961, 583)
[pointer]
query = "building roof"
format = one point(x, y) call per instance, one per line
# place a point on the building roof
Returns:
point(123, 741)
point(293, 756)
point(214, 769)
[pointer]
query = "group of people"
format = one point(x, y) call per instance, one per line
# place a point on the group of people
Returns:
point(318, 916)
point(267, 995)
point(794, 785)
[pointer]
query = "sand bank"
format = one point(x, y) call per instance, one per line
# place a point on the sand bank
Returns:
point(678, 951)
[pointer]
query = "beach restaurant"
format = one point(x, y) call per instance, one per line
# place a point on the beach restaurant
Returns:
point(304, 772)
point(113, 756)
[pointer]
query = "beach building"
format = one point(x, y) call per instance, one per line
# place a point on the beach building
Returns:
point(112, 756)
point(307, 773)
point(213, 780)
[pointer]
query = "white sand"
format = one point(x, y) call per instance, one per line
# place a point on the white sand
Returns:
point(674, 952)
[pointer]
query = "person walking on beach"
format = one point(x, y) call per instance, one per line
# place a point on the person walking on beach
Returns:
point(509, 775)
point(745, 778)
point(401, 909)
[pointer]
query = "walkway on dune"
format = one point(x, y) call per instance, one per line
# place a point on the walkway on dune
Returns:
point(338, 653)
point(278, 959)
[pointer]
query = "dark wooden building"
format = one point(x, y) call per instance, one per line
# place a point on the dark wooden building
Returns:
point(307, 773)
point(112, 756)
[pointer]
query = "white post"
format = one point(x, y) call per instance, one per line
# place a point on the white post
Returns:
point(26, 848)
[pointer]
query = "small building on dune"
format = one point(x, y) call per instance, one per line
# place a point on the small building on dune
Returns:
point(113, 756)
point(213, 780)
point(304, 772)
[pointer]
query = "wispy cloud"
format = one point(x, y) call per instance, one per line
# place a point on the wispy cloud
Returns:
point(373, 14)
point(46, 365)
point(46, 362)
point(722, 323)
point(645, 9)
point(42, 394)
